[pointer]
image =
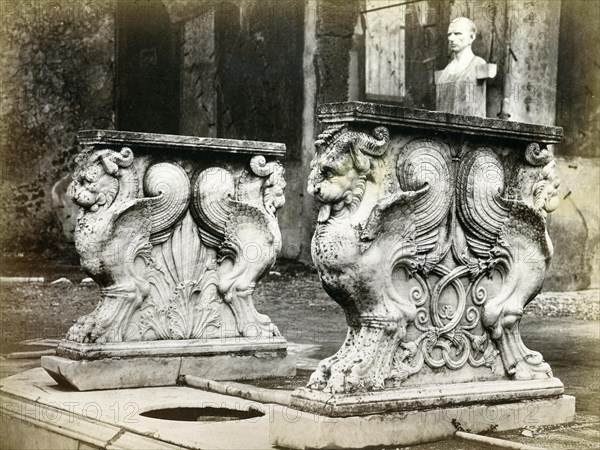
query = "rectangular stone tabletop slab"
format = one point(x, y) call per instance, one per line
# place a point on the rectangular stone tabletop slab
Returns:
point(176, 142)
point(437, 121)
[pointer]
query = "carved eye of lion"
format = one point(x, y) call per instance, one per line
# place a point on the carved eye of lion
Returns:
point(327, 172)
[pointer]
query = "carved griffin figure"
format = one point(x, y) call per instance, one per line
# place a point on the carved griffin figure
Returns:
point(113, 233)
point(237, 216)
point(504, 219)
point(105, 186)
point(364, 232)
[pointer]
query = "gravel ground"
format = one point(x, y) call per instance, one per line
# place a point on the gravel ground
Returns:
point(562, 325)
point(291, 295)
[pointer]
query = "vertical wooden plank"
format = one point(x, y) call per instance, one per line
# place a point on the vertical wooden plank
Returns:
point(385, 50)
point(198, 78)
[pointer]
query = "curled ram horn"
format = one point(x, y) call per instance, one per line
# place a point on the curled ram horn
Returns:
point(112, 161)
point(124, 158)
point(538, 156)
point(325, 138)
point(374, 146)
point(259, 166)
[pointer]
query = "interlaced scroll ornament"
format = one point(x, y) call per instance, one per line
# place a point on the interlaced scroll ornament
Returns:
point(449, 218)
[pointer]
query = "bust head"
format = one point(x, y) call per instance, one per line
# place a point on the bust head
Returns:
point(461, 34)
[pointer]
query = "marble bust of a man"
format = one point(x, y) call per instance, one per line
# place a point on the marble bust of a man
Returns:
point(460, 87)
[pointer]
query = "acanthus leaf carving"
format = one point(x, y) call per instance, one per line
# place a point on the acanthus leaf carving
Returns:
point(183, 302)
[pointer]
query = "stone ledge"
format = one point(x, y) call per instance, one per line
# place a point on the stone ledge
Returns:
point(169, 348)
point(176, 142)
point(423, 397)
point(300, 430)
point(437, 121)
point(147, 372)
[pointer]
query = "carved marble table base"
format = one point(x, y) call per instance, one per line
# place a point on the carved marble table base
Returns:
point(431, 235)
point(176, 231)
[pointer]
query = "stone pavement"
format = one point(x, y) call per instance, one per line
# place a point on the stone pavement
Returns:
point(567, 335)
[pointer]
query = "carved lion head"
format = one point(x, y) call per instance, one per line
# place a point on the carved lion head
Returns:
point(95, 180)
point(341, 165)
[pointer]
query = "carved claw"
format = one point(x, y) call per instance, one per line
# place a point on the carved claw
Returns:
point(88, 330)
point(363, 363)
point(250, 322)
point(520, 362)
point(317, 381)
point(78, 331)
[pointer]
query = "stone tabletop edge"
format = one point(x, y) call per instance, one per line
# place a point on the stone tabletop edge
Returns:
point(118, 137)
point(401, 115)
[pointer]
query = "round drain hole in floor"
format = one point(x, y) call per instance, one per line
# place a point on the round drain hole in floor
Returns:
point(207, 414)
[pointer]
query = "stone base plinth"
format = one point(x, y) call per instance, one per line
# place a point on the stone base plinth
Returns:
point(161, 363)
point(300, 429)
point(422, 397)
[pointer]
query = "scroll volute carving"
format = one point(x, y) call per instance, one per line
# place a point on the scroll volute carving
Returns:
point(538, 180)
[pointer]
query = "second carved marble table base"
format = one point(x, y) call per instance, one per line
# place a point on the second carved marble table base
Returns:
point(176, 231)
point(431, 236)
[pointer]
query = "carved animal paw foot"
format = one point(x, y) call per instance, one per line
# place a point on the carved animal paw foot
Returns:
point(87, 330)
point(520, 362)
point(349, 375)
point(317, 381)
point(81, 330)
point(100, 326)
point(256, 329)
point(530, 366)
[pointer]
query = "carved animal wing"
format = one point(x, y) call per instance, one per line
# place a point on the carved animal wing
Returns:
point(250, 234)
point(481, 208)
point(229, 225)
point(422, 203)
point(133, 224)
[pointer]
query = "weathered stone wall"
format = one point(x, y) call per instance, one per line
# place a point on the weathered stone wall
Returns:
point(258, 69)
point(57, 75)
point(574, 226)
